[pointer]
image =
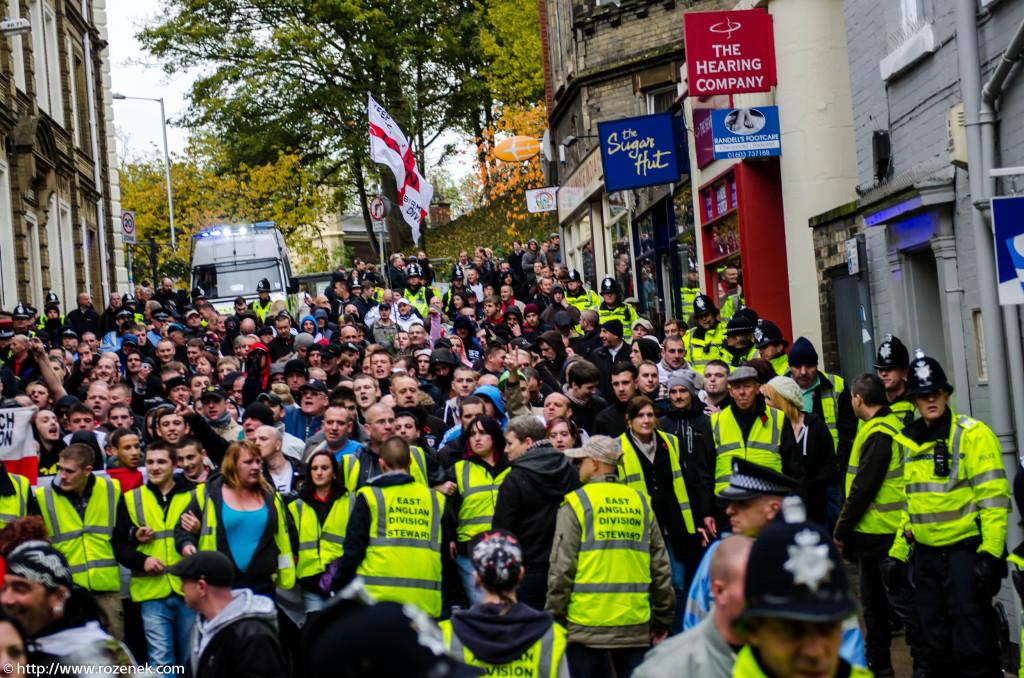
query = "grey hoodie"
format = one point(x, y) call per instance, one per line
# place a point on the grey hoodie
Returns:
point(246, 605)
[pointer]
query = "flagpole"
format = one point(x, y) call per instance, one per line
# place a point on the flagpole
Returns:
point(380, 236)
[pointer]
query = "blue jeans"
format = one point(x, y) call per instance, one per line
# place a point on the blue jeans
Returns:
point(168, 626)
point(679, 587)
point(592, 662)
point(466, 571)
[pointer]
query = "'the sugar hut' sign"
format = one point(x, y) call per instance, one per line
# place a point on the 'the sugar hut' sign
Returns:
point(643, 151)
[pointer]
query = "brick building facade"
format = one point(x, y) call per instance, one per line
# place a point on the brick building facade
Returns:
point(59, 198)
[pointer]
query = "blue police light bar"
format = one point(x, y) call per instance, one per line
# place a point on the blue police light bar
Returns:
point(240, 229)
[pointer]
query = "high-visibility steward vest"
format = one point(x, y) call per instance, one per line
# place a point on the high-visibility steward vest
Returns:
point(761, 446)
point(319, 544)
point(262, 309)
point(631, 473)
point(284, 578)
point(145, 511)
point(1017, 559)
point(43, 320)
point(418, 300)
point(613, 568)
point(972, 501)
point(351, 468)
point(746, 666)
point(586, 300)
point(903, 409)
point(85, 544)
point(479, 492)
point(699, 352)
point(734, 302)
point(541, 660)
point(737, 359)
point(781, 364)
point(687, 295)
point(15, 506)
point(884, 513)
point(403, 558)
point(624, 313)
point(830, 404)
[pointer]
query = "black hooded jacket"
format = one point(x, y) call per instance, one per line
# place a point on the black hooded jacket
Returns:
point(529, 499)
point(495, 638)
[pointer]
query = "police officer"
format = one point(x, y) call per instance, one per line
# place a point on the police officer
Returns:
point(21, 319)
point(891, 365)
point(957, 501)
point(458, 284)
point(612, 308)
point(739, 337)
point(262, 305)
point(393, 540)
point(610, 577)
point(797, 597)
point(870, 517)
point(706, 340)
point(51, 320)
point(80, 512)
point(128, 301)
point(577, 295)
point(416, 293)
point(771, 345)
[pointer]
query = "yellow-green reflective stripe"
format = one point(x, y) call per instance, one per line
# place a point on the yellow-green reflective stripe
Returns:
point(93, 564)
point(633, 478)
point(307, 545)
point(610, 588)
point(402, 582)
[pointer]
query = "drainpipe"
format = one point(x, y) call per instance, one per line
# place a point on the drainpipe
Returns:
point(984, 250)
point(979, 121)
point(1011, 319)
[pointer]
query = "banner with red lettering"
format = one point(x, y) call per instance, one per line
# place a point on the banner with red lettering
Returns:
point(729, 52)
point(389, 146)
point(17, 445)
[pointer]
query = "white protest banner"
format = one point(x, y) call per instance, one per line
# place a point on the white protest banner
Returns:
point(17, 446)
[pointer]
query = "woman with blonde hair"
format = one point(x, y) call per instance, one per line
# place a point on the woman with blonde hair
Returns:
point(813, 439)
point(239, 514)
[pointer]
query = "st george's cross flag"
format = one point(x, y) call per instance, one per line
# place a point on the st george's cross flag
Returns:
point(17, 445)
point(389, 146)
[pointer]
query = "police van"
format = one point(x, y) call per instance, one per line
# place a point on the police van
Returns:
point(229, 261)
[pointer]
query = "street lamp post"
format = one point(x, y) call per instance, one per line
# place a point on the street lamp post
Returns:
point(167, 156)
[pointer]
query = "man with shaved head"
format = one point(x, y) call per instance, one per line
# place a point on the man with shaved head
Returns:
point(284, 473)
point(706, 649)
point(555, 405)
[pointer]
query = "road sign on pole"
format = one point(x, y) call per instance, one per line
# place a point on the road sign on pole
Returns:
point(377, 208)
point(128, 227)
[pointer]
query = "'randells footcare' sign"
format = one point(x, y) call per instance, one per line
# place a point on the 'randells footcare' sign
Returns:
point(729, 52)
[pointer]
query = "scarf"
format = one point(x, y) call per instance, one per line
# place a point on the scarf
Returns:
point(221, 421)
point(573, 401)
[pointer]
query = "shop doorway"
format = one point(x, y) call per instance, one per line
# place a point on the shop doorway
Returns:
point(848, 306)
point(925, 321)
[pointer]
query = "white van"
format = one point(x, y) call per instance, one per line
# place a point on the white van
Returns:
point(229, 261)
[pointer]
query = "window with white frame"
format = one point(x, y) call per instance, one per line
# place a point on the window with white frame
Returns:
point(660, 100)
point(53, 260)
point(67, 250)
point(913, 13)
point(46, 57)
point(17, 46)
point(73, 73)
point(86, 256)
point(8, 273)
point(35, 267)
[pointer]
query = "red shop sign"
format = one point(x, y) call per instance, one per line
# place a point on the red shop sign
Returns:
point(729, 52)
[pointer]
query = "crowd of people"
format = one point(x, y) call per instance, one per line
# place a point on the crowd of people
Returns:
point(565, 487)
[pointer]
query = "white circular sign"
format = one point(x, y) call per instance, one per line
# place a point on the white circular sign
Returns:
point(377, 207)
point(128, 222)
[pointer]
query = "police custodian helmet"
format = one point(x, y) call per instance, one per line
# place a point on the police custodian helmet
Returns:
point(263, 285)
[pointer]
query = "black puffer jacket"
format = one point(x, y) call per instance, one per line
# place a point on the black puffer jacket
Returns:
point(529, 498)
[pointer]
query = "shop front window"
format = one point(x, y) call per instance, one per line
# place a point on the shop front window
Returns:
point(725, 237)
point(619, 233)
point(579, 248)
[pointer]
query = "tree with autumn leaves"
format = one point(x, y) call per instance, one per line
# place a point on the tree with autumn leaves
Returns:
point(209, 190)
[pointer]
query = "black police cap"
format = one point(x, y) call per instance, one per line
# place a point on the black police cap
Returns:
point(749, 480)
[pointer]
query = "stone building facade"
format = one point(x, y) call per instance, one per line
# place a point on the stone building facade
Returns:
point(59, 197)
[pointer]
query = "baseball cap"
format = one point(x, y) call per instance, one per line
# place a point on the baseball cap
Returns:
point(314, 384)
point(296, 365)
point(213, 392)
point(213, 567)
point(269, 399)
point(604, 449)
